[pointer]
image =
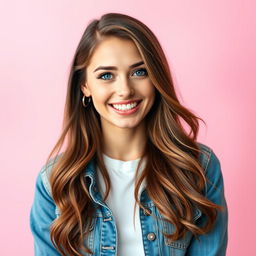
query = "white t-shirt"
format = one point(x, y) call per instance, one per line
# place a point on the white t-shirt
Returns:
point(121, 202)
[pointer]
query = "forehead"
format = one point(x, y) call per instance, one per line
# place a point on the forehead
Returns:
point(113, 50)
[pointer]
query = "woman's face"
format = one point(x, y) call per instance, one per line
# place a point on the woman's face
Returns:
point(118, 83)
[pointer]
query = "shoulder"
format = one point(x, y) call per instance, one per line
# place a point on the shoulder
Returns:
point(212, 168)
point(207, 156)
point(44, 209)
point(214, 191)
point(45, 172)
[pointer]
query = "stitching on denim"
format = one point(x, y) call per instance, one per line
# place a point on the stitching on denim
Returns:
point(45, 181)
point(209, 158)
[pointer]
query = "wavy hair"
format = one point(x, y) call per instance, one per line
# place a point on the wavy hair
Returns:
point(175, 184)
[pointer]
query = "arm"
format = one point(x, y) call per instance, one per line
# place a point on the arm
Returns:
point(42, 214)
point(213, 243)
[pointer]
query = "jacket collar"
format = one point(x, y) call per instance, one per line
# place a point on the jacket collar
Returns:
point(90, 173)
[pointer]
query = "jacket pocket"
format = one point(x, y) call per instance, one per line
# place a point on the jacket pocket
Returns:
point(179, 247)
point(91, 238)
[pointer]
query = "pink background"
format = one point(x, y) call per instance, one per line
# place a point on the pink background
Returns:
point(211, 49)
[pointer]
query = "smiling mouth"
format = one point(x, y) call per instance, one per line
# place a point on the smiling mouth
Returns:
point(125, 107)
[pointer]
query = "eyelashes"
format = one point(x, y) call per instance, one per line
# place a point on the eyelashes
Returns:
point(104, 75)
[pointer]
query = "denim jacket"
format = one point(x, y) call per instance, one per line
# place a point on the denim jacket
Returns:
point(102, 239)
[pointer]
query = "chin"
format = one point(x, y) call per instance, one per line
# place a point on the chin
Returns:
point(127, 126)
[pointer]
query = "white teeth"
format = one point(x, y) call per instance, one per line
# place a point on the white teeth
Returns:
point(125, 106)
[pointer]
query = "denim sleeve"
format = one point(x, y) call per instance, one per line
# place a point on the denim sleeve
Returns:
point(42, 214)
point(213, 243)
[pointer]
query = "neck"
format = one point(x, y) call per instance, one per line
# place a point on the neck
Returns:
point(124, 143)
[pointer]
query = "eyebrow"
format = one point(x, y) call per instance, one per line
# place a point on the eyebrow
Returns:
point(115, 68)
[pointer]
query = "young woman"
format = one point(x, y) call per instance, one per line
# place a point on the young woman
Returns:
point(131, 180)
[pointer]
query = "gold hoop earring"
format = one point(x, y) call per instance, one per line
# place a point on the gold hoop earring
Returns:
point(88, 101)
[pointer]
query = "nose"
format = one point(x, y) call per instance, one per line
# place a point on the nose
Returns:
point(124, 88)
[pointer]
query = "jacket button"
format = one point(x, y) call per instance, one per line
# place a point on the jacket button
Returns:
point(151, 236)
point(147, 212)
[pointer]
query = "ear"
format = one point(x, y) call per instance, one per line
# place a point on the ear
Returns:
point(85, 89)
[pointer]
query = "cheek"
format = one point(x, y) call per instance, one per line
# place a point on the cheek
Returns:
point(152, 95)
point(100, 94)
point(146, 88)
point(150, 92)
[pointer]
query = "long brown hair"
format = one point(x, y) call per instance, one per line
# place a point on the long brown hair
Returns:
point(174, 177)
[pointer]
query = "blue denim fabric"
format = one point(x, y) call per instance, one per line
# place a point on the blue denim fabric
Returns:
point(102, 239)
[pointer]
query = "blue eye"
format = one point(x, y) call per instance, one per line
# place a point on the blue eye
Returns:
point(142, 70)
point(104, 76)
